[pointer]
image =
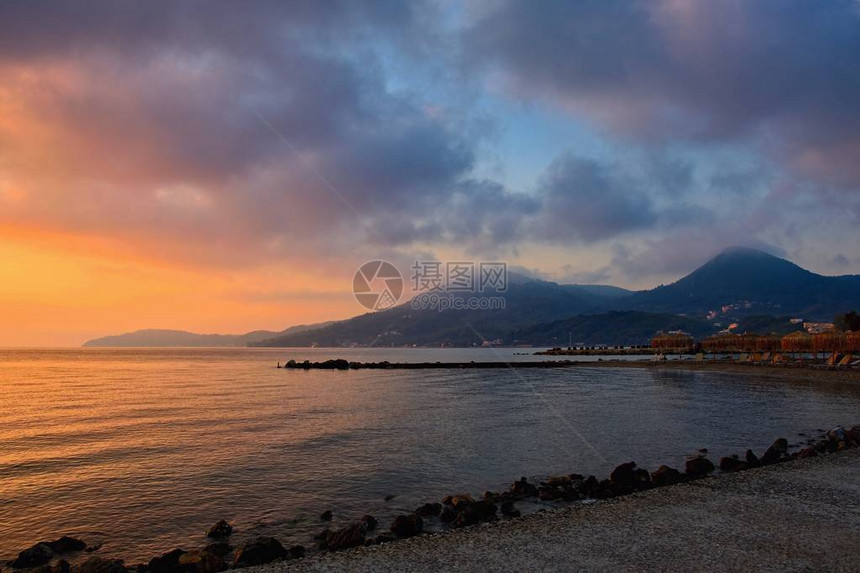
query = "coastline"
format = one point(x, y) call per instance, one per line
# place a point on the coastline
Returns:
point(798, 515)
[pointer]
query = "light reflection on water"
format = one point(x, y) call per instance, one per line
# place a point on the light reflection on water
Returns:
point(145, 449)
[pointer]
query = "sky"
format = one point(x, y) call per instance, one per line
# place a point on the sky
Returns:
point(222, 167)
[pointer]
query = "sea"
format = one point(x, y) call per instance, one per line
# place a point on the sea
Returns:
point(140, 451)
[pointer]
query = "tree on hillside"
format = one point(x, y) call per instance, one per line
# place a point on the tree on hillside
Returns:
point(847, 321)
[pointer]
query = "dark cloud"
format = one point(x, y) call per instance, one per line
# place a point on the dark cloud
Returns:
point(328, 130)
point(783, 73)
point(587, 201)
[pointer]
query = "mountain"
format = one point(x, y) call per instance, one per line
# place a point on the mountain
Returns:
point(606, 291)
point(527, 301)
point(739, 285)
point(176, 338)
point(612, 328)
point(750, 282)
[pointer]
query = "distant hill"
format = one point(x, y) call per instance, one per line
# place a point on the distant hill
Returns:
point(177, 338)
point(527, 302)
point(752, 282)
point(612, 328)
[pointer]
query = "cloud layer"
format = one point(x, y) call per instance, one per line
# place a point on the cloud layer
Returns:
point(326, 133)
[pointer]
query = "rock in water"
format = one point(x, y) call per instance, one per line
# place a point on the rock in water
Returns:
point(666, 476)
point(259, 551)
point(96, 564)
point(220, 529)
point(776, 452)
point(327, 515)
point(752, 459)
point(524, 488)
point(807, 453)
point(429, 510)
point(622, 476)
point(476, 512)
point(66, 544)
point(34, 556)
point(201, 561)
point(351, 536)
point(219, 548)
point(730, 464)
point(407, 525)
point(699, 467)
point(167, 563)
point(297, 551)
point(369, 522)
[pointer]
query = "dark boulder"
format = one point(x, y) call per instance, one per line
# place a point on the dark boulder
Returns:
point(752, 459)
point(699, 467)
point(807, 453)
point(66, 544)
point(524, 488)
point(201, 561)
point(61, 566)
point(507, 508)
point(546, 493)
point(296, 551)
point(407, 525)
point(219, 530)
point(167, 563)
point(732, 464)
point(589, 487)
point(429, 510)
point(448, 514)
point(777, 452)
point(38, 554)
point(351, 536)
point(96, 564)
point(219, 548)
point(641, 479)
point(369, 522)
point(458, 499)
point(327, 515)
point(473, 513)
point(558, 481)
point(259, 551)
point(622, 476)
point(666, 476)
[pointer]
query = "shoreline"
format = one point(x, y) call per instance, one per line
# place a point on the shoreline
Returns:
point(463, 519)
point(798, 515)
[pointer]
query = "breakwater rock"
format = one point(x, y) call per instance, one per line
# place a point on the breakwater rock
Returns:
point(341, 364)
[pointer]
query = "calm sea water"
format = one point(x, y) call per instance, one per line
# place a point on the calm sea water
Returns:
point(143, 450)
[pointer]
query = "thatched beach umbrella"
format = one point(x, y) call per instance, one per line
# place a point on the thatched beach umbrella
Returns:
point(673, 342)
point(852, 341)
point(728, 343)
point(796, 342)
point(829, 341)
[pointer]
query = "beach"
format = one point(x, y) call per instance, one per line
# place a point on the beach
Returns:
point(799, 515)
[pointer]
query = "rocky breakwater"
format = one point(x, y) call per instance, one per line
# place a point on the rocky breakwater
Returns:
point(342, 364)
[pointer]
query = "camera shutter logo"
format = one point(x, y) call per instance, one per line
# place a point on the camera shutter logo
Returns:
point(377, 285)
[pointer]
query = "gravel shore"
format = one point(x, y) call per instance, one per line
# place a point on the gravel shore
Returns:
point(799, 515)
